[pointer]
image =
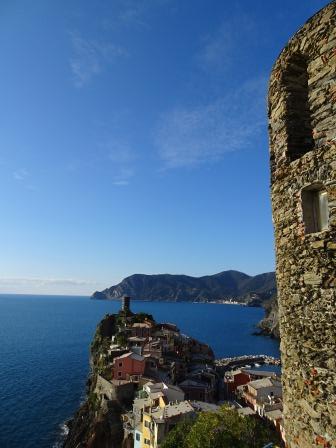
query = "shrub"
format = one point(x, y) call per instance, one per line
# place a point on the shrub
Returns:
point(222, 429)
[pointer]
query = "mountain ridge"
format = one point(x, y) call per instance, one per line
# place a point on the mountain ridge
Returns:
point(225, 285)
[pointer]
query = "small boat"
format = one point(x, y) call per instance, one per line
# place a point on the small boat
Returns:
point(257, 365)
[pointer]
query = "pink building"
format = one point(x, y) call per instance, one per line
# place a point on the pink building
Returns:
point(128, 366)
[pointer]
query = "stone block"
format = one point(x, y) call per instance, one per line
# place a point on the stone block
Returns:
point(310, 278)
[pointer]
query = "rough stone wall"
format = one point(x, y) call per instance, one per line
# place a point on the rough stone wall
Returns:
point(306, 274)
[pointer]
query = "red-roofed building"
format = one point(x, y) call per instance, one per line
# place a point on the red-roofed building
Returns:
point(128, 366)
point(233, 380)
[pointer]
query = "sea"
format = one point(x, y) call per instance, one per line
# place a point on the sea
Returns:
point(44, 354)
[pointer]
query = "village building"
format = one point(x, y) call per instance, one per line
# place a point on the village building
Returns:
point(129, 366)
point(153, 347)
point(152, 398)
point(197, 390)
point(142, 329)
point(234, 379)
point(158, 421)
point(260, 393)
point(239, 377)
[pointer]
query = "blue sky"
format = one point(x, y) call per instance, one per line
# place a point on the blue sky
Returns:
point(133, 138)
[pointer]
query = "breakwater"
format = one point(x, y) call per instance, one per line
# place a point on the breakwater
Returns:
point(225, 364)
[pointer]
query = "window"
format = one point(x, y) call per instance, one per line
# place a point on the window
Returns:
point(146, 441)
point(298, 120)
point(120, 364)
point(137, 437)
point(315, 209)
point(147, 424)
point(119, 373)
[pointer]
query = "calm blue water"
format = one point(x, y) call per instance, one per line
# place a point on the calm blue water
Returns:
point(44, 354)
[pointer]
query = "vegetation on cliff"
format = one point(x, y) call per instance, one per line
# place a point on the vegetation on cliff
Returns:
point(90, 426)
point(222, 429)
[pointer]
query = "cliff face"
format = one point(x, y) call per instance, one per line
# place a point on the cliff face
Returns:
point(96, 425)
point(269, 326)
point(164, 287)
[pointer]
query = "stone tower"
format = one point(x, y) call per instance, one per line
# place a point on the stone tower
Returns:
point(302, 128)
point(125, 304)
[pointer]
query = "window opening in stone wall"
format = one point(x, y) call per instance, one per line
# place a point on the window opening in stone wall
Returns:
point(315, 209)
point(299, 129)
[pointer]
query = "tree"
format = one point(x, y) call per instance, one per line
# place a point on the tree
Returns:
point(176, 437)
point(223, 429)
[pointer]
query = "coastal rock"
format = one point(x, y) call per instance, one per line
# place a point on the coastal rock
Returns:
point(269, 325)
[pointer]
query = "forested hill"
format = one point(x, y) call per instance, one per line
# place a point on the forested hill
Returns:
point(226, 285)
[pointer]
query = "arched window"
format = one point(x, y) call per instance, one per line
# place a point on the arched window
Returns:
point(299, 128)
point(315, 209)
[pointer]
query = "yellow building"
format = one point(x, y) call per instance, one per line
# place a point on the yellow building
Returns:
point(158, 420)
point(155, 396)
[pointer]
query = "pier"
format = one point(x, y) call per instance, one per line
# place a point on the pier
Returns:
point(225, 364)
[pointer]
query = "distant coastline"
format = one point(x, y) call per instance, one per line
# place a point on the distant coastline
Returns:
point(227, 287)
point(211, 302)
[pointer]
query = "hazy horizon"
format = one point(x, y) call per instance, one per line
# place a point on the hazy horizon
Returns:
point(41, 286)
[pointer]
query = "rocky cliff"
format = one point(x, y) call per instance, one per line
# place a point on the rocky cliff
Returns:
point(96, 425)
point(269, 326)
point(164, 287)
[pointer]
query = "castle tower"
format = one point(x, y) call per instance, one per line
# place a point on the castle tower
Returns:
point(125, 304)
point(302, 128)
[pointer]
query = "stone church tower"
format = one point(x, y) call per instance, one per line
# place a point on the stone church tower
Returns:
point(302, 128)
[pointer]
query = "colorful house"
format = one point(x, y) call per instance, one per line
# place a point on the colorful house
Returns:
point(233, 380)
point(158, 421)
point(129, 366)
point(258, 392)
